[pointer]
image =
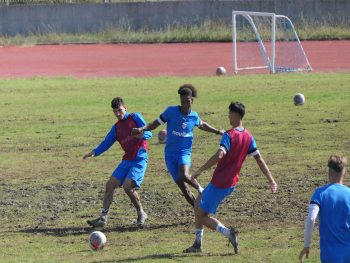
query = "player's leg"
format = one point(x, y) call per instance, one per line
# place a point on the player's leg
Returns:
point(189, 196)
point(172, 163)
point(116, 180)
point(184, 173)
point(197, 245)
point(132, 183)
point(208, 204)
point(111, 185)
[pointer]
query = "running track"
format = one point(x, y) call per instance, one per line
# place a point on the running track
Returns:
point(111, 60)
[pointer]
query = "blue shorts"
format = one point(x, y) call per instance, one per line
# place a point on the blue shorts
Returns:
point(174, 161)
point(212, 197)
point(134, 170)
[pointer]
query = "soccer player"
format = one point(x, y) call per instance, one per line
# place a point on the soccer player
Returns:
point(332, 204)
point(235, 145)
point(181, 121)
point(130, 172)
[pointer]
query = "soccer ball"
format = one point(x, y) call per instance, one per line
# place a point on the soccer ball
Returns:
point(162, 136)
point(97, 240)
point(220, 71)
point(299, 99)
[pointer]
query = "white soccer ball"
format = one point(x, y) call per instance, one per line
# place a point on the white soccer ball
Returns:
point(299, 99)
point(97, 240)
point(220, 71)
point(162, 136)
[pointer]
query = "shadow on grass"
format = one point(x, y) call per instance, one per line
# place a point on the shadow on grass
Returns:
point(69, 231)
point(176, 256)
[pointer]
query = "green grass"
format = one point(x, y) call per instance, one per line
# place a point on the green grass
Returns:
point(47, 191)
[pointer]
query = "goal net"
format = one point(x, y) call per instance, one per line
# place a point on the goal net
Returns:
point(266, 41)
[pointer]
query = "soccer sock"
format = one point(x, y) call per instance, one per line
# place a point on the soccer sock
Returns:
point(199, 236)
point(223, 230)
point(104, 212)
point(140, 211)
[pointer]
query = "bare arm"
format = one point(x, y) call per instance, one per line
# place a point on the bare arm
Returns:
point(206, 127)
point(149, 127)
point(265, 169)
point(212, 161)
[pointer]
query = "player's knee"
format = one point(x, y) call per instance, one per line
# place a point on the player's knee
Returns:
point(184, 176)
point(129, 185)
point(199, 213)
point(111, 184)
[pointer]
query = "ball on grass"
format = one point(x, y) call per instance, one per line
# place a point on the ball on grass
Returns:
point(299, 99)
point(97, 240)
point(220, 71)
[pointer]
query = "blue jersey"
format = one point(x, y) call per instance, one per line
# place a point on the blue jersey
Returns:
point(111, 136)
point(334, 220)
point(179, 130)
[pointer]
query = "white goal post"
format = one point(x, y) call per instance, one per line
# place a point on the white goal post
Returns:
point(266, 41)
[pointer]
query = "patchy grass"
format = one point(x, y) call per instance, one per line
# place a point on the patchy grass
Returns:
point(47, 192)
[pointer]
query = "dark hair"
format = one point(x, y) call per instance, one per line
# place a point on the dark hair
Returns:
point(187, 89)
point(337, 163)
point(237, 107)
point(116, 102)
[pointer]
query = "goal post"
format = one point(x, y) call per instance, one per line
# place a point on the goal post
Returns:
point(266, 41)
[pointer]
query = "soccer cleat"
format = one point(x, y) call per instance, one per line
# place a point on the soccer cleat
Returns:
point(195, 248)
point(98, 222)
point(141, 218)
point(233, 239)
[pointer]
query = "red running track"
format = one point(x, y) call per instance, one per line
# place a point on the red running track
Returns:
point(111, 60)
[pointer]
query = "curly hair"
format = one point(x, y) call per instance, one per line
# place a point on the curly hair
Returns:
point(187, 89)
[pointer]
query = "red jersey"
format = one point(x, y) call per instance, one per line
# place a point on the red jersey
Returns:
point(226, 174)
point(130, 144)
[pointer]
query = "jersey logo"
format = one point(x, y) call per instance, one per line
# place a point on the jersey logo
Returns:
point(184, 125)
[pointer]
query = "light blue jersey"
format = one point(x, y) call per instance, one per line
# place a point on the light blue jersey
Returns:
point(179, 130)
point(334, 221)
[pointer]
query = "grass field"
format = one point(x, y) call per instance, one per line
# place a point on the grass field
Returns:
point(47, 191)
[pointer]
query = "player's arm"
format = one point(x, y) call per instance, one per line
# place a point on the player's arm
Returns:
point(211, 161)
point(308, 228)
point(148, 127)
point(208, 128)
point(225, 144)
point(146, 135)
point(110, 138)
point(265, 170)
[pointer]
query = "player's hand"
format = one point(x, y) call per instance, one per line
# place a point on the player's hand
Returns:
point(273, 186)
point(138, 136)
point(88, 155)
point(222, 131)
point(303, 253)
point(136, 131)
